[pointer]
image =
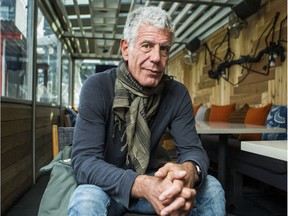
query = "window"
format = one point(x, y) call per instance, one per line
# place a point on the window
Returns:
point(15, 81)
point(86, 68)
point(66, 76)
point(48, 63)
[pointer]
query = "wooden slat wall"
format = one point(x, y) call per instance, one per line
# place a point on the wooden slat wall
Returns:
point(16, 152)
point(45, 117)
point(256, 90)
point(16, 147)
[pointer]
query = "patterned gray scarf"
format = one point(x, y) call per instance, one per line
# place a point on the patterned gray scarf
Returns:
point(134, 106)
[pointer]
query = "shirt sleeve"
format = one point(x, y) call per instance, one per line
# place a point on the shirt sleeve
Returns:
point(90, 142)
point(187, 141)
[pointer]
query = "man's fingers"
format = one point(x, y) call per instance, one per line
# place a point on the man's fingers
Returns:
point(170, 168)
point(179, 207)
point(177, 189)
point(171, 175)
point(172, 191)
point(189, 205)
point(188, 193)
point(163, 171)
point(177, 204)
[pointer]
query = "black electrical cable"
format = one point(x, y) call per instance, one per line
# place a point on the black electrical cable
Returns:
point(282, 23)
point(249, 68)
point(272, 29)
point(246, 61)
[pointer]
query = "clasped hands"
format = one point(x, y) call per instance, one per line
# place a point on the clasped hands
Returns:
point(170, 191)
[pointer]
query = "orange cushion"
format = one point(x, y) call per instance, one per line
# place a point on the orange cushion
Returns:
point(255, 116)
point(196, 108)
point(221, 113)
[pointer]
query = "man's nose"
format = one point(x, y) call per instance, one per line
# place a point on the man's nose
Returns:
point(155, 54)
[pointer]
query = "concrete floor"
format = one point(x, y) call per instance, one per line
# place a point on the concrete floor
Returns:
point(256, 201)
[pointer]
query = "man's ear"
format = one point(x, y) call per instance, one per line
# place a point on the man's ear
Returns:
point(124, 45)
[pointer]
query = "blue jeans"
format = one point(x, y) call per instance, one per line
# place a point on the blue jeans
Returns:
point(90, 200)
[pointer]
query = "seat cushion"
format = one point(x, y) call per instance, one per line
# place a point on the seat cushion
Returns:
point(238, 116)
point(196, 108)
point(277, 117)
point(221, 113)
point(256, 116)
point(201, 113)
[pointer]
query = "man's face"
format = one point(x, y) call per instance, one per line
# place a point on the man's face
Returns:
point(148, 57)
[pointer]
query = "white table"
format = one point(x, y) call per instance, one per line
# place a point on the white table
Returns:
point(203, 127)
point(274, 149)
point(224, 129)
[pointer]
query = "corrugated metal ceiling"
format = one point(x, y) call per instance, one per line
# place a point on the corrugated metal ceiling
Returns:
point(92, 29)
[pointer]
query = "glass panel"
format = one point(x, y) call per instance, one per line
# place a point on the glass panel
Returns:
point(71, 2)
point(86, 68)
point(48, 63)
point(66, 76)
point(15, 81)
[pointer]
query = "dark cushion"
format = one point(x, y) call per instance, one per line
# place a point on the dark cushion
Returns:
point(72, 114)
point(65, 136)
point(238, 116)
point(207, 114)
point(277, 117)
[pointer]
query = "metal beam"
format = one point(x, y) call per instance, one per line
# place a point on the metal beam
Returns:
point(95, 56)
point(229, 3)
point(89, 35)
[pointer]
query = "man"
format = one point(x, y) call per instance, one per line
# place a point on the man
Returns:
point(123, 113)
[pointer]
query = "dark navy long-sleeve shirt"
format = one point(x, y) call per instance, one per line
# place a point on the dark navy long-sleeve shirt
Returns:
point(96, 155)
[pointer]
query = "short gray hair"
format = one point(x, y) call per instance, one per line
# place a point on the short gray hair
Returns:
point(154, 16)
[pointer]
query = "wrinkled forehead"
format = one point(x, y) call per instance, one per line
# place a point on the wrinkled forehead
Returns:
point(158, 34)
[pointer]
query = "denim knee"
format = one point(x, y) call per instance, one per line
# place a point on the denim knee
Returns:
point(88, 200)
point(210, 198)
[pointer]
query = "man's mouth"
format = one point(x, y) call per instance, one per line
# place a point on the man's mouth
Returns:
point(153, 72)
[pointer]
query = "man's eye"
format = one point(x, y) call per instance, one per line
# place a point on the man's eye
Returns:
point(165, 50)
point(146, 47)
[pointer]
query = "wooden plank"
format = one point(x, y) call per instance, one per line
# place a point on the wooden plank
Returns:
point(205, 78)
point(43, 131)
point(280, 93)
point(202, 99)
point(15, 154)
point(251, 89)
point(271, 9)
point(243, 45)
point(10, 199)
point(10, 173)
point(42, 111)
point(11, 112)
point(44, 144)
point(253, 78)
point(12, 190)
point(208, 84)
point(217, 39)
point(242, 99)
point(10, 128)
point(206, 68)
point(43, 122)
point(202, 92)
point(16, 149)
point(14, 141)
